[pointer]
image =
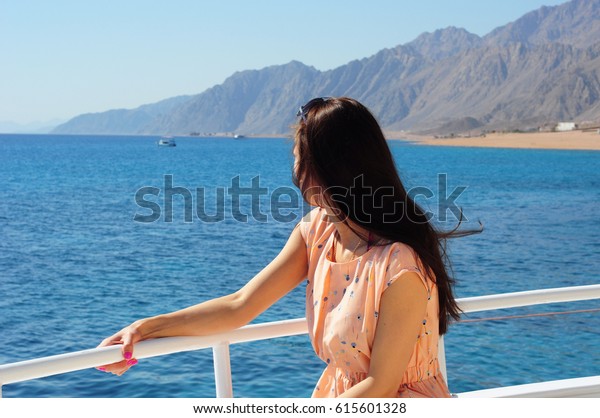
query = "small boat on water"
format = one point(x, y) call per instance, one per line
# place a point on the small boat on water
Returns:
point(167, 141)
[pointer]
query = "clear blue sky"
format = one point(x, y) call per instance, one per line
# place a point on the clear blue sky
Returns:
point(62, 58)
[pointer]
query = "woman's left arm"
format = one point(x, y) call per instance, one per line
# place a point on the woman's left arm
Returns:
point(401, 314)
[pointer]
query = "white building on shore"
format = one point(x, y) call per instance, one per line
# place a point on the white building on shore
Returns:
point(565, 126)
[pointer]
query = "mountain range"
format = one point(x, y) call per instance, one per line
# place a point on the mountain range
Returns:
point(540, 69)
point(38, 127)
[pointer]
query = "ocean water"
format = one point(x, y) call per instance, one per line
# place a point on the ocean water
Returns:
point(75, 265)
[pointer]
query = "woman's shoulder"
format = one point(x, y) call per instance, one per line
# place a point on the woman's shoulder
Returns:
point(314, 224)
point(401, 249)
point(312, 216)
point(402, 258)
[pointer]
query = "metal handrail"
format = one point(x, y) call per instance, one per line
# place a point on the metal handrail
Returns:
point(79, 360)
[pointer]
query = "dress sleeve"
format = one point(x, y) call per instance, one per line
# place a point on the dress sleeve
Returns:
point(403, 260)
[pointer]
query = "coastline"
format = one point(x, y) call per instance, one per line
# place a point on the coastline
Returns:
point(588, 140)
point(571, 140)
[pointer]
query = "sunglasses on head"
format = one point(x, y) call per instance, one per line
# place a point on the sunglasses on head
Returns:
point(303, 112)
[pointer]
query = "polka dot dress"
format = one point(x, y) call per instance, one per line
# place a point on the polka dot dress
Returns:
point(342, 304)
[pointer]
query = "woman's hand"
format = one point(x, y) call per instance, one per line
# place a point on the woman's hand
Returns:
point(127, 337)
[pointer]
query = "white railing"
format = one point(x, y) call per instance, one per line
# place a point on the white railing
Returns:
point(64, 363)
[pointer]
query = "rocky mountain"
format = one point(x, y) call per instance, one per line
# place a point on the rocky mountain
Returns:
point(542, 68)
point(121, 121)
point(575, 23)
point(444, 43)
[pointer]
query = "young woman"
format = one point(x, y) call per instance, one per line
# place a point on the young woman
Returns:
point(378, 295)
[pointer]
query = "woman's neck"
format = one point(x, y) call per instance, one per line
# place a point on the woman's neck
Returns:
point(352, 240)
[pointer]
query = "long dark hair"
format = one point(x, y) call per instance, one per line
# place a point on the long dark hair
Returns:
point(342, 150)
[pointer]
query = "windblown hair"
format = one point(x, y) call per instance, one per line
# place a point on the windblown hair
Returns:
point(342, 153)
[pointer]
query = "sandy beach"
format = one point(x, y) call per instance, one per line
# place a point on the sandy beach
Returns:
point(575, 140)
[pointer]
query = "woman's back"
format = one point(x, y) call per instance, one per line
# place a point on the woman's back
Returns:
point(342, 309)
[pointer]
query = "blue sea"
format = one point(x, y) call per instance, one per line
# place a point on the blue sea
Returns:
point(77, 264)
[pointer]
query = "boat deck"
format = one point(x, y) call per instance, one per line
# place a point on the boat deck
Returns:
point(47, 366)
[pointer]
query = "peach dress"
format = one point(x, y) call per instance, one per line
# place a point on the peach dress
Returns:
point(342, 304)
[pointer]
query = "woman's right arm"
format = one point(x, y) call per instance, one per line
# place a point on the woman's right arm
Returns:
point(222, 314)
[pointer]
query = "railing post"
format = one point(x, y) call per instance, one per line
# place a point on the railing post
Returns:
point(222, 364)
point(442, 358)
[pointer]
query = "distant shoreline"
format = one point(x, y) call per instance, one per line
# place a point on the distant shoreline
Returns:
point(572, 140)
